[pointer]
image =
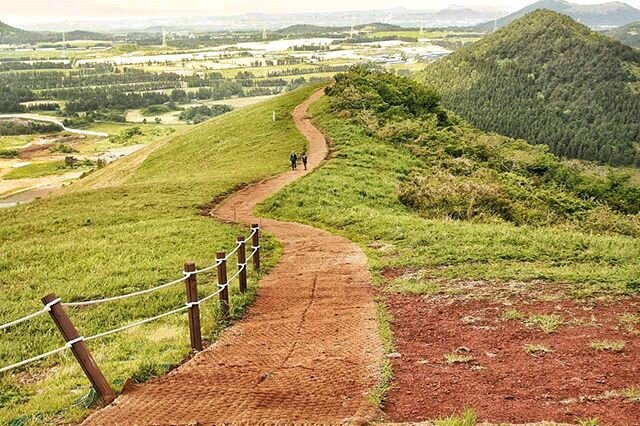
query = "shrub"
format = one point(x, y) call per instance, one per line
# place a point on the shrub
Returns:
point(64, 149)
point(442, 194)
point(9, 153)
point(201, 113)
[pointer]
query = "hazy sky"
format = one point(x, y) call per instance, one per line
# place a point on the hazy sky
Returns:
point(46, 10)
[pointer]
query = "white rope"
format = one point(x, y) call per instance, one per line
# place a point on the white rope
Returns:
point(208, 268)
point(234, 276)
point(135, 324)
point(70, 343)
point(125, 296)
point(35, 358)
point(44, 310)
point(185, 275)
point(204, 299)
point(255, 250)
point(253, 232)
point(232, 252)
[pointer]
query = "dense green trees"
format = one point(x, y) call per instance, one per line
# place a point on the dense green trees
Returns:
point(467, 174)
point(26, 127)
point(10, 98)
point(550, 80)
point(201, 113)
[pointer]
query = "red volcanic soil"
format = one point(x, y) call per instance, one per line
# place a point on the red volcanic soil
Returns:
point(502, 382)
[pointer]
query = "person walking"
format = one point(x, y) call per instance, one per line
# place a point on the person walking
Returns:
point(293, 158)
point(305, 160)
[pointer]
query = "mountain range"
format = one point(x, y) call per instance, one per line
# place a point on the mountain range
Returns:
point(598, 16)
point(452, 16)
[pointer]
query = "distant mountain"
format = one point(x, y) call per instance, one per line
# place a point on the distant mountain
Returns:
point(83, 35)
point(599, 16)
point(452, 16)
point(549, 80)
point(306, 29)
point(629, 34)
point(460, 14)
point(12, 35)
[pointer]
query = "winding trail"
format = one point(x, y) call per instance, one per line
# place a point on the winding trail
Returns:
point(308, 350)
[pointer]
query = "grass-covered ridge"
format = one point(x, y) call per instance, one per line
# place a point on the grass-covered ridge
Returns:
point(102, 239)
point(519, 220)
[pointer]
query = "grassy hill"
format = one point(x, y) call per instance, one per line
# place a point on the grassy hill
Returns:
point(549, 80)
point(127, 227)
point(628, 34)
point(428, 195)
point(600, 15)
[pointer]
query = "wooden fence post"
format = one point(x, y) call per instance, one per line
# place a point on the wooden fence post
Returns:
point(222, 281)
point(242, 264)
point(79, 349)
point(191, 285)
point(255, 245)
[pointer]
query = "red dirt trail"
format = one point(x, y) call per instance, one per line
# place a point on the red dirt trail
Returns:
point(308, 350)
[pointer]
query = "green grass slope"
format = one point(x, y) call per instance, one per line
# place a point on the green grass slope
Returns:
point(375, 190)
point(549, 80)
point(103, 240)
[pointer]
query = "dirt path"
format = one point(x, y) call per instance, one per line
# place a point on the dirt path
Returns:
point(308, 351)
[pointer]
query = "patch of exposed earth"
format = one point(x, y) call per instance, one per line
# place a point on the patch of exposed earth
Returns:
point(515, 353)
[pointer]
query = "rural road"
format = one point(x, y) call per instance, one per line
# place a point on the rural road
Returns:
point(308, 350)
point(54, 121)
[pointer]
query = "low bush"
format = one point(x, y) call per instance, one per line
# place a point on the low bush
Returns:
point(9, 153)
point(201, 113)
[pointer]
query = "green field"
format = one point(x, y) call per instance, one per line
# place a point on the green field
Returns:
point(36, 170)
point(7, 142)
point(126, 227)
point(356, 194)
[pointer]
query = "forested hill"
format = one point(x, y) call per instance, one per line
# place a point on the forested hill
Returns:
point(9, 34)
point(549, 80)
point(12, 35)
point(629, 34)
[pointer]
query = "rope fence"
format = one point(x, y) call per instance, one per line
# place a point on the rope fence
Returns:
point(44, 310)
point(76, 343)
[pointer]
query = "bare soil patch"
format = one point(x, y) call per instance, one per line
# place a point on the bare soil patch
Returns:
point(493, 356)
point(41, 145)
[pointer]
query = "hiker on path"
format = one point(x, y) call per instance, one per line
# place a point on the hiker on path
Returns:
point(305, 160)
point(294, 160)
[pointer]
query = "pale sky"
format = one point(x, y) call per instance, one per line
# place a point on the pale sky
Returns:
point(33, 10)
